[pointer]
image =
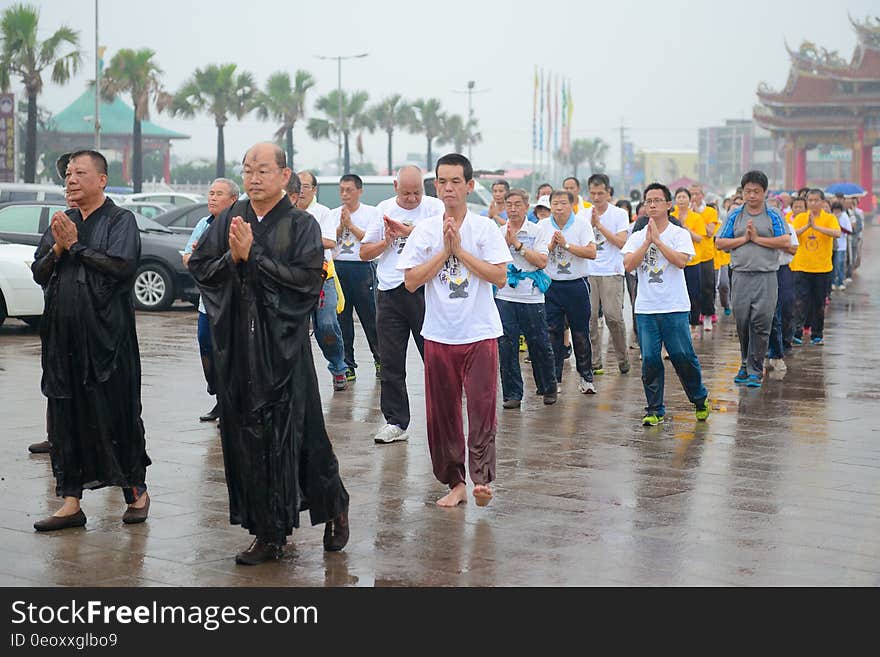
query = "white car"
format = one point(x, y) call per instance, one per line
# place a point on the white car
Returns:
point(174, 199)
point(20, 296)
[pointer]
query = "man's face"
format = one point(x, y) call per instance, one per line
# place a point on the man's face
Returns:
point(409, 191)
point(682, 200)
point(263, 179)
point(798, 206)
point(814, 204)
point(560, 207)
point(656, 205)
point(307, 191)
point(82, 181)
point(350, 194)
point(516, 208)
point(219, 198)
point(599, 195)
point(848, 204)
point(785, 199)
point(571, 187)
point(498, 192)
point(541, 212)
point(452, 188)
point(754, 195)
point(544, 190)
point(696, 196)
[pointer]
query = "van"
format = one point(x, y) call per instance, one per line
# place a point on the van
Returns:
point(379, 188)
point(31, 192)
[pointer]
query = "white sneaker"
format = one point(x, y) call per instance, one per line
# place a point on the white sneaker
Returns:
point(780, 366)
point(390, 433)
point(769, 364)
point(847, 280)
point(707, 323)
point(841, 287)
point(586, 387)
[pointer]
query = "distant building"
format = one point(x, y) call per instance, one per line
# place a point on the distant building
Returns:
point(668, 165)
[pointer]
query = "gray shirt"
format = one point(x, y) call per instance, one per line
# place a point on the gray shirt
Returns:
point(751, 256)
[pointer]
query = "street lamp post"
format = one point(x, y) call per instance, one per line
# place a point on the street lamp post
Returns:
point(470, 115)
point(97, 84)
point(339, 59)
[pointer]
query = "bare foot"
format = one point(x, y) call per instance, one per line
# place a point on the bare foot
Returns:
point(458, 495)
point(69, 508)
point(482, 494)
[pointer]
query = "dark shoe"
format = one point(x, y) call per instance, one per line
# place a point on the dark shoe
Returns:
point(623, 367)
point(511, 403)
point(54, 523)
point(259, 552)
point(550, 398)
point(40, 448)
point(339, 382)
point(133, 516)
point(350, 374)
point(212, 415)
point(567, 351)
point(336, 533)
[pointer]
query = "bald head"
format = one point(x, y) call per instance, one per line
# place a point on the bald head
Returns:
point(265, 174)
point(268, 149)
point(409, 187)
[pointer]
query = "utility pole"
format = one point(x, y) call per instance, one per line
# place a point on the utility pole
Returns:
point(339, 59)
point(470, 91)
point(623, 181)
point(97, 84)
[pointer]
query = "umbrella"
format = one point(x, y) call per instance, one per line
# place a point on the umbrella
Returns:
point(846, 189)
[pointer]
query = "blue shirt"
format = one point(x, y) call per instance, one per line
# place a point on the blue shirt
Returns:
point(196, 235)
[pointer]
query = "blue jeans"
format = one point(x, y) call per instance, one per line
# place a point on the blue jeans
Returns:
point(839, 261)
point(570, 300)
point(358, 282)
point(327, 331)
point(526, 319)
point(670, 329)
point(207, 356)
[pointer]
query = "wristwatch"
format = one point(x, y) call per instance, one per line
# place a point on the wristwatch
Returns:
point(520, 247)
point(565, 246)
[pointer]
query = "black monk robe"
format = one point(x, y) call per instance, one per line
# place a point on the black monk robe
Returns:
point(91, 362)
point(276, 452)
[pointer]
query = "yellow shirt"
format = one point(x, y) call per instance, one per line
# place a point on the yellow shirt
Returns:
point(694, 221)
point(815, 249)
point(721, 258)
point(581, 203)
point(710, 216)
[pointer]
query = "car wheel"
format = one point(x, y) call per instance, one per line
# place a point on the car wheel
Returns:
point(153, 289)
point(2, 309)
point(33, 321)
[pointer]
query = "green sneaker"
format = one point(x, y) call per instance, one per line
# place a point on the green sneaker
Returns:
point(598, 370)
point(379, 371)
point(703, 411)
point(652, 420)
point(350, 374)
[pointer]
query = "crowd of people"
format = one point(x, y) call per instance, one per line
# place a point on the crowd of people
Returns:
point(538, 280)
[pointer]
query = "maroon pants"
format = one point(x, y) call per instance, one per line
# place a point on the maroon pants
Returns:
point(448, 369)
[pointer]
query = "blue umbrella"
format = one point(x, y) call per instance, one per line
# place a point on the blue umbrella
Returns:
point(846, 189)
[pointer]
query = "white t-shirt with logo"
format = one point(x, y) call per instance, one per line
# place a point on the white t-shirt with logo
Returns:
point(562, 265)
point(845, 223)
point(609, 260)
point(322, 215)
point(348, 247)
point(533, 237)
point(387, 272)
point(662, 287)
point(459, 305)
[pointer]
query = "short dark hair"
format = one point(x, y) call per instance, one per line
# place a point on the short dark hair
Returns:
point(803, 191)
point(600, 179)
point(97, 158)
point(294, 186)
point(457, 160)
point(756, 178)
point(837, 205)
point(798, 198)
point(543, 185)
point(815, 192)
point(576, 181)
point(310, 175)
point(562, 192)
point(352, 178)
point(682, 189)
point(502, 182)
point(639, 207)
point(626, 205)
point(663, 188)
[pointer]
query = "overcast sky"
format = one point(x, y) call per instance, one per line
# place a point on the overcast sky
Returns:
point(664, 68)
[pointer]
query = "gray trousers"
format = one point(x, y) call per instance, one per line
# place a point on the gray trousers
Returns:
point(753, 298)
point(607, 291)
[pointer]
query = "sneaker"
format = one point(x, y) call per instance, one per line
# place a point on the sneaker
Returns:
point(522, 343)
point(598, 370)
point(567, 351)
point(796, 340)
point(779, 365)
point(703, 410)
point(742, 376)
point(623, 367)
point(707, 323)
point(586, 387)
point(754, 381)
point(339, 382)
point(817, 341)
point(550, 398)
point(379, 371)
point(511, 403)
point(390, 433)
point(527, 360)
point(350, 374)
point(651, 420)
point(769, 364)
point(841, 287)
point(847, 280)
point(714, 319)
point(727, 312)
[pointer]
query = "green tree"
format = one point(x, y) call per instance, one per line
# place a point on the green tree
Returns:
point(217, 90)
point(23, 54)
point(389, 115)
point(354, 117)
point(285, 103)
point(459, 133)
point(137, 73)
point(429, 119)
point(592, 151)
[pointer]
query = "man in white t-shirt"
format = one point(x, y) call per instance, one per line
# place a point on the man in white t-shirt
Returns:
point(458, 256)
point(357, 278)
point(659, 252)
point(399, 312)
point(521, 304)
point(610, 225)
point(572, 246)
point(328, 334)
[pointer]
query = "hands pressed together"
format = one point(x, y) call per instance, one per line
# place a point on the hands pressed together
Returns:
point(451, 237)
point(64, 231)
point(241, 238)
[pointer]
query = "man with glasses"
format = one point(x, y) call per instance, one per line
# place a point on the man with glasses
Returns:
point(260, 269)
point(659, 253)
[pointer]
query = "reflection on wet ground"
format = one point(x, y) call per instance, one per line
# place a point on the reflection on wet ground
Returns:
point(782, 486)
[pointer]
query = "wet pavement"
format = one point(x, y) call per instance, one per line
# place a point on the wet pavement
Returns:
point(780, 487)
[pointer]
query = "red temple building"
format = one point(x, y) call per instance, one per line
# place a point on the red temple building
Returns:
point(828, 101)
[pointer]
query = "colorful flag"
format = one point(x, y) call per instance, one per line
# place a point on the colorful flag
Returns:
point(556, 116)
point(541, 140)
point(535, 113)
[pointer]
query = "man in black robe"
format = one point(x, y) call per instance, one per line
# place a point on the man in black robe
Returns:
point(260, 271)
point(86, 262)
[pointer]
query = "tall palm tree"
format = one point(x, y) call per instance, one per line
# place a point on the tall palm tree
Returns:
point(286, 103)
point(354, 117)
point(219, 91)
point(429, 118)
point(136, 72)
point(389, 115)
point(22, 54)
point(592, 151)
point(459, 133)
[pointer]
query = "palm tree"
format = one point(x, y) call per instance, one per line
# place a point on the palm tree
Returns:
point(354, 117)
point(21, 53)
point(592, 151)
point(429, 120)
point(219, 91)
point(286, 103)
point(390, 114)
point(458, 133)
point(135, 72)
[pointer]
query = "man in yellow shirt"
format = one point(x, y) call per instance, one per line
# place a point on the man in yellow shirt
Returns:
point(812, 265)
point(573, 186)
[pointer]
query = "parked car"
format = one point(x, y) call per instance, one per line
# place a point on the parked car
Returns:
point(161, 277)
point(177, 199)
point(20, 296)
point(149, 210)
point(183, 220)
point(379, 188)
point(29, 192)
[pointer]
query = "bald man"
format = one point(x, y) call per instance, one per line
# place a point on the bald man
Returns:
point(399, 313)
